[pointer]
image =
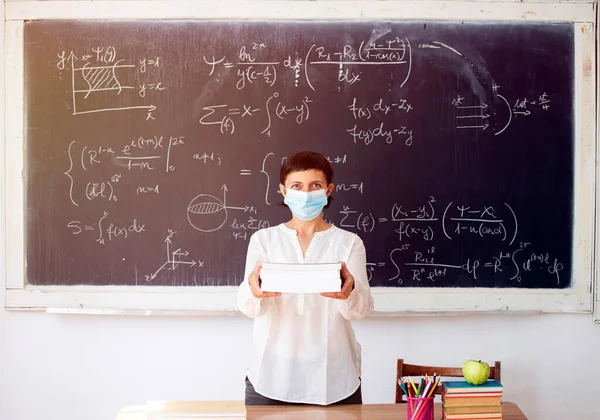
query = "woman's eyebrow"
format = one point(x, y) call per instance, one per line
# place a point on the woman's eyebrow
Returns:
point(308, 182)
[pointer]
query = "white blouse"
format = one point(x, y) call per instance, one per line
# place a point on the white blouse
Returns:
point(304, 348)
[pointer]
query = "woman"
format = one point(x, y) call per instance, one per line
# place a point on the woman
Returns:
point(304, 348)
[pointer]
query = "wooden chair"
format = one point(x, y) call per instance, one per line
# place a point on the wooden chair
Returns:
point(404, 369)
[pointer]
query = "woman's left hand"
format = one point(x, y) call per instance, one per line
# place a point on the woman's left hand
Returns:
point(347, 285)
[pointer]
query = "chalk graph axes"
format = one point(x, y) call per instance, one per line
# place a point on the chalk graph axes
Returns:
point(174, 258)
point(100, 79)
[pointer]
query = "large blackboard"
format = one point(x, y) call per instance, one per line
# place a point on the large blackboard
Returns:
point(153, 147)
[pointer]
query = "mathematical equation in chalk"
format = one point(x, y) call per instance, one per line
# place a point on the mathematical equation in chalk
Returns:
point(381, 108)
point(410, 265)
point(253, 63)
point(139, 154)
point(427, 220)
point(225, 116)
point(105, 230)
point(419, 225)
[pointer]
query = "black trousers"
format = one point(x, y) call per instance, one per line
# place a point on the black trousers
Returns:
point(254, 398)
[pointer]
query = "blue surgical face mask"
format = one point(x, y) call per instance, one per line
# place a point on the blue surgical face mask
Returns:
point(305, 205)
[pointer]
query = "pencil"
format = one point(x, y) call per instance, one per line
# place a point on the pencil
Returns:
point(428, 392)
point(403, 388)
point(413, 385)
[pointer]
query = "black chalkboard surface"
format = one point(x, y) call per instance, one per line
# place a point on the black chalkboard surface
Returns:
point(153, 147)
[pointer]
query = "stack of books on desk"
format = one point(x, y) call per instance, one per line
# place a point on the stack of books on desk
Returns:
point(463, 401)
point(196, 410)
point(300, 278)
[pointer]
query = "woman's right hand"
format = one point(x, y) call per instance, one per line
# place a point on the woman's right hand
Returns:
point(254, 282)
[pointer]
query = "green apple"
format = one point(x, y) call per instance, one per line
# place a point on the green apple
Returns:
point(476, 372)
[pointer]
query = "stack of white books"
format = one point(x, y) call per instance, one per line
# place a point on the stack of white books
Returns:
point(301, 278)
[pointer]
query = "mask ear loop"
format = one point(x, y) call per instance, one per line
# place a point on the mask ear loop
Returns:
point(328, 194)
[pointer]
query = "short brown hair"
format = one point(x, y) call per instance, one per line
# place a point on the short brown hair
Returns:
point(305, 161)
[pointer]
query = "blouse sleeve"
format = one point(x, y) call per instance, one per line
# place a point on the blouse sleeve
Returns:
point(247, 303)
point(360, 302)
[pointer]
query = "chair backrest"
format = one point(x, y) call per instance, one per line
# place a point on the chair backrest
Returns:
point(404, 369)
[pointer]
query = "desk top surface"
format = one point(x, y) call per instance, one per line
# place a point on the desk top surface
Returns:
point(340, 412)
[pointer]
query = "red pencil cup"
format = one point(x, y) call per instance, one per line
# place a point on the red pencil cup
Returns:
point(420, 408)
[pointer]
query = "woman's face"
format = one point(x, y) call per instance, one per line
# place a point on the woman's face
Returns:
point(306, 181)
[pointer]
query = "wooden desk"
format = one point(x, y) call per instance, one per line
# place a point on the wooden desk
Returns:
point(340, 412)
point(355, 412)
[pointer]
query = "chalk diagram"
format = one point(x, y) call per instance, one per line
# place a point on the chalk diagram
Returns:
point(480, 115)
point(174, 258)
point(208, 213)
point(102, 84)
point(476, 116)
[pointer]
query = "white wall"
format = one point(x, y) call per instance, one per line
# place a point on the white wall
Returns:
point(58, 367)
point(66, 367)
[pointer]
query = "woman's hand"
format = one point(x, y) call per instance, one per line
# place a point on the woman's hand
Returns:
point(254, 282)
point(347, 285)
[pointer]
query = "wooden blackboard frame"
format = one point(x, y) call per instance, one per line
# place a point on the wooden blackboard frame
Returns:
point(218, 300)
point(596, 289)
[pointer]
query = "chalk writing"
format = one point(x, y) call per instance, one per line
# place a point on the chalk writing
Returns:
point(224, 116)
point(368, 135)
point(166, 152)
point(208, 157)
point(175, 258)
point(208, 213)
point(101, 73)
point(106, 230)
point(476, 116)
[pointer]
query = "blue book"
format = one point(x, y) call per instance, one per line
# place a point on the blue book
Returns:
point(459, 387)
